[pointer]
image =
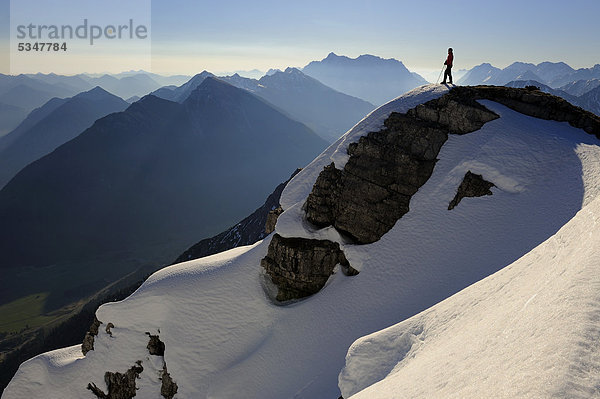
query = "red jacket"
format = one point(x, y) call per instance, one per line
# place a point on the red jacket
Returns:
point(449, 60)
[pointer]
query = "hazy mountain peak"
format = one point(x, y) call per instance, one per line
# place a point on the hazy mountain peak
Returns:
point(96, 93)
point(293, 70)
point(368, 77)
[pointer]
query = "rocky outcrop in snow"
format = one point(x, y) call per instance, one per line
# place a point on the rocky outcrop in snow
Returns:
point(88, 341)
point(272, 217)
point(168, 387)
point(300, 267)
point(472, 186)
point(365, 199)
point(385, 168)
point(535, 103)
point(155, 345)
point(120, 385)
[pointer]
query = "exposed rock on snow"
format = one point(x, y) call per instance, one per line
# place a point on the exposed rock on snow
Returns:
point(300, 267)
point(472, 186)
point(385, 168)
point(88, 340)
point(457, 111)
point(155, 345)
point(168, 388)
point(535, 103)
point(120, 386)
point(272, 217)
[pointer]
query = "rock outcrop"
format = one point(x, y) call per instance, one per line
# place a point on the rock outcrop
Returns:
point(535, 103)
point(155, 345)
point(88, 340)
point(472, 186)
point(168, 387)
point(272, 217)
point(300, 267)
point(365, 199)
point(120, 386)
point(385, 168)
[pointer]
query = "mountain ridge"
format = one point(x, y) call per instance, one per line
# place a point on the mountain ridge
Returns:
point(215, 309)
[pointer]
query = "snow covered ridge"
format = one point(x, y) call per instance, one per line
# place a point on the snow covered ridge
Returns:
point(528, 331)
point(385, 168)
point(224, 338)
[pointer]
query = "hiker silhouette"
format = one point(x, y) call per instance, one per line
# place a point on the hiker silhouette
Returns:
point(448, 63)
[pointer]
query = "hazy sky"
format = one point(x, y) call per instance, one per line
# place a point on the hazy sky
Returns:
point(188, 36)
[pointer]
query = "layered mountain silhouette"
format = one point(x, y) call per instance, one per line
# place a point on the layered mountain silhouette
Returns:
point(328, 112)
point(52, 125)
point(580, 87)
point(159, 172)
point(181, 93)
point(371, 78)
point(21, 94)
point(126, 86)
point(553, 74)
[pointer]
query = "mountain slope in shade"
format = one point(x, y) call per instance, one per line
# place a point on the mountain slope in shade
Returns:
point(32, 118)
point(591, 101)
point(326, 111)
point(371, 78)
point(223, 337)
point(61, 121)
point(579, 74)
point(580, 87)
point(247, 232)
point(530, 330)
point(159, 172)
point(181, 93)
point(11, 116)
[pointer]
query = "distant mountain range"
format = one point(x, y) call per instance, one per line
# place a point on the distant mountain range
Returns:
point(20, 94)
point(52, 125)
point(589, 101)
point(553, 74)
point(328, 112)
point(371, 78)
point(158, 175)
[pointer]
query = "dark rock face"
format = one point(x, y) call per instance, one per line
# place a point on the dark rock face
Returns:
point(300, 267)
point(386, 168)
point(457, 111)
point(321, 204)
point(472, 186)
point(272, 217)
point(155, 345)
point(120, 386)
point(88, 340)
point(168, 388)
point(537, 104)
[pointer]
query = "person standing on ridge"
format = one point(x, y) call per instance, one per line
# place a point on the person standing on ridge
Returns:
point(448, 63)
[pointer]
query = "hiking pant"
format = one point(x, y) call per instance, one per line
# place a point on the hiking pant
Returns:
point(448, 73)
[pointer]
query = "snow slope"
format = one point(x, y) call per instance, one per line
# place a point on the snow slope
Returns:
point(225, 339)
point(529, 331)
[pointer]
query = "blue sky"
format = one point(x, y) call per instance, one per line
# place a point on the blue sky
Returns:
point(190, 36)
